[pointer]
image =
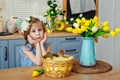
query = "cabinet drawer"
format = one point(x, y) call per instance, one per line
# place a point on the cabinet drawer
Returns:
point(72, 50)
point(70, 40)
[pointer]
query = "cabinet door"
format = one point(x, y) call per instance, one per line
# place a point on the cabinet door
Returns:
point(3, 54)
point(71, 45)
point(14, 55)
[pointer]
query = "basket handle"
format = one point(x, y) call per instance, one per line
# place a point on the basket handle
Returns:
point(48, 49)
point(61, 53)
point(48, 52)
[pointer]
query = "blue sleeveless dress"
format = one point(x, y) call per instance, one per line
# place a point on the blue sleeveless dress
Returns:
point(24, 60)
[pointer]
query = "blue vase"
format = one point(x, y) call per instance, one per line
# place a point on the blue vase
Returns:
point(87, 55)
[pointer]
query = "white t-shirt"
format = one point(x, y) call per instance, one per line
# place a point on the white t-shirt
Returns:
point(80, 6)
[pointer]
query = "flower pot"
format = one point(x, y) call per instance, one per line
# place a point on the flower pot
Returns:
point(87, 55)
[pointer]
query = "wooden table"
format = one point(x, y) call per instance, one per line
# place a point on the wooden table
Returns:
point(25, 74)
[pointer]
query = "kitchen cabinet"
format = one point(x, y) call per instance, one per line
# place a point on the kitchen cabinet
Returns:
point(9, 55)
point(3, 54)
point(14, 55)
point(70, 44)
point(9, 49)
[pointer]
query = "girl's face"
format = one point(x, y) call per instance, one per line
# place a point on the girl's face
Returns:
point(36, 32)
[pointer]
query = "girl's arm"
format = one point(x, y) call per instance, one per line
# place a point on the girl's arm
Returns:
point(42, 44)
point(38, 56)
point(36, 59)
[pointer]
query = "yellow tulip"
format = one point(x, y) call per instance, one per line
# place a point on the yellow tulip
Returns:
point(105, 23)
point(74, 31)
point(78, 21)
point(87, 22)
point(83, 28)
point(106, 28)
point(35, 73)
point(105, 35)
point(69, 29)
point(83, 20)
point(79, 31)
point(95, 19)
point(97, 24)
point(117, 30)
point(113, 34)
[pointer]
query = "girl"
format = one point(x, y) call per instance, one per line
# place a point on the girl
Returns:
point(34, 49)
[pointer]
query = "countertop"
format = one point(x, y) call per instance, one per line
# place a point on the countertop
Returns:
point(20, 36)
point(24, 73)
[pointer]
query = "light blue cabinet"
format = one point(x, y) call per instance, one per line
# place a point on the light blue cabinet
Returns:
point(71, 45)
point(14, 55)
point(9, 53)
point(10, 56)
point(3, 54)
point(52, 41)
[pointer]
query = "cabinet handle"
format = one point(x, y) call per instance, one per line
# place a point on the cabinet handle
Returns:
point(5, 53)
point(70, 38)
point(72, 50)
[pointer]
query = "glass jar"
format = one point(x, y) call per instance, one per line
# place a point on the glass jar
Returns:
point(11, 24)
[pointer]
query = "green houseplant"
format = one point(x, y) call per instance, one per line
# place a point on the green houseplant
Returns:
point(51, 14)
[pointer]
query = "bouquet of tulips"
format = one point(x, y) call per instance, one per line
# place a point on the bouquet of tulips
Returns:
point(91, 28)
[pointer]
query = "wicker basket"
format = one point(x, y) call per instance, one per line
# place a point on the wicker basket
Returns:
point(57, 68)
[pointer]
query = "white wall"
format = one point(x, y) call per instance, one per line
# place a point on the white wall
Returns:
point(24, 8)
point(109, 49)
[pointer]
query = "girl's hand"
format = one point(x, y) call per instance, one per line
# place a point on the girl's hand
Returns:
point(44, 38)
point(31, 41)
